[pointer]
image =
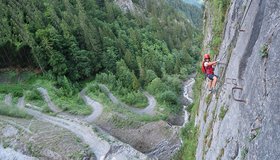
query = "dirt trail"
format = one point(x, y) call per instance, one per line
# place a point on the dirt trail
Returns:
point(96, 107)
point(8, 99)
point(47, 98)
point(98, 146)
point(150, 109)
point(104, 146)
point(21, 102)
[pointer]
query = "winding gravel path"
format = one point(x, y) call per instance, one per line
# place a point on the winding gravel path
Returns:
point(8, 99)
point(104, 146)
point(149, 110)
point(98, 146)
point(96, 107)
point(21, 102)
point(47, 98)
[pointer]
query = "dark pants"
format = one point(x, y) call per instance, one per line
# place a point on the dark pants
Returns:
point(211, 76)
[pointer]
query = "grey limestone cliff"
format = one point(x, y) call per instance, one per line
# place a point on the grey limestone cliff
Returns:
point(242, 121)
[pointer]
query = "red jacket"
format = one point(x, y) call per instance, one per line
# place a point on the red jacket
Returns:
point(209, 69)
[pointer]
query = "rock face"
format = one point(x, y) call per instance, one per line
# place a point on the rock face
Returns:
point(242, 120)
point(125, 5)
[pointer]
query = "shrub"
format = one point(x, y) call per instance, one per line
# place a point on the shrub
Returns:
point(244, 153)
point(169, 97)
point(223, 112)
point(150, 76)
point(106, 78)
point(33, 95)
point(15, 89)
point(13, 111)
point(137, 99)
point(264, 51)
point(156, 86)
point(208, 99)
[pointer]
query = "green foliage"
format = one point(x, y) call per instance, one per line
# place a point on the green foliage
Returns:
point(106, 78)
point(13, 111)
point(244, 153)
point(55, 37)
point(65, 97)
point(32, 95)
point(66, 87)
point(221, 154)
point(187, 152)
point(120, 122)
point(156, 86)
point(72, 41)
point(205, 115)
point(15, 89)
point(166, 91)
point(264, 51)
point(128, 94)
point(223, 112)
point(15, 83)
point(190, 107)
point(254, 134)
point(136, 99)
point(124, 75)
point(194, 13)
point(190, 132)
point(208, 99)
point(219, 11)
point(147, 118)
point(73, 105)
point(169, 97)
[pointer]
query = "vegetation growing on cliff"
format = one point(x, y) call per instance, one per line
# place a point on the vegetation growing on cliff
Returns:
point(190, 132)
point(219, 11)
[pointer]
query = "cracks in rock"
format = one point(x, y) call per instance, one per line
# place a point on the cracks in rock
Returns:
point(208, 136)
point(265, 78)
point(252, 41)
point(245, 15)
point(255, 128)
point(265, 94)
point(229, 51)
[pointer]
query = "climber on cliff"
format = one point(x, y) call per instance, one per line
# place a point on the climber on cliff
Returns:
point(208, 69)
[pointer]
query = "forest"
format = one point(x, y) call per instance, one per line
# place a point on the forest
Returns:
point(75, 41)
